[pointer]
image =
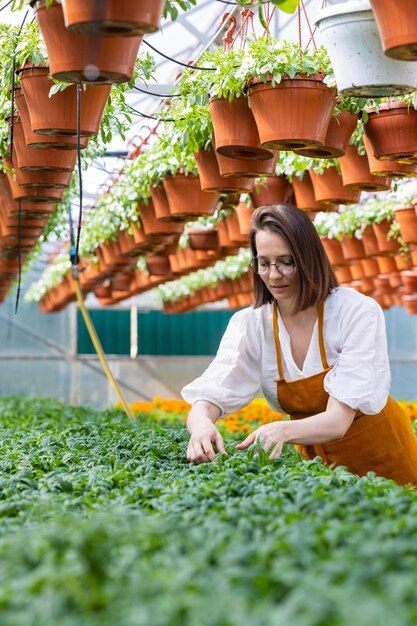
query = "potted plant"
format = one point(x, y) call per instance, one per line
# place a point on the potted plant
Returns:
point(288, 94)
point(354, 167)
point(401, 115)
point(328, 184)
point(397, 28)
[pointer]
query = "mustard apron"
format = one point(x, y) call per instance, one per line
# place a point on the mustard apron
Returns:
point(384, 443)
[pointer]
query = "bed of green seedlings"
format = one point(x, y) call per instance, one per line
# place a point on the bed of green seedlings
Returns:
point(104, 523)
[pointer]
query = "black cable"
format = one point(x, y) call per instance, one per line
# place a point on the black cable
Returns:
point(160, 95)
point(227, 2)
point(150, 117)
point(19, 256)
point(193, 67)
point(6, 5)
point(13, 87)
point(80, 177)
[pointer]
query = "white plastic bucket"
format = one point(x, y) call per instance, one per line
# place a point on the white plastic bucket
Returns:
point(350, 35)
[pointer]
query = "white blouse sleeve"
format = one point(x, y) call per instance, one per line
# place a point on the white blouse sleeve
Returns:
point(361, 376)
point(233, 378)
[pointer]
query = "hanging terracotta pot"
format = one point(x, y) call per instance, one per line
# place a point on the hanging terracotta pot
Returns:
point(403, 262)
point(203, 239)
point(186, 198)
point(57, 115)
point(121, 281)
point(158, 265)
point(244, 215)
point(210, 178)
point(356, 270)
point(226, 246)
point(381, 231)
point(410, 303)
point(387, 167)
point(34, 159)
point(249, 168)
point(235, 129)
point(42, 178)
point(352, 248)
point(328, 188)
point(304, 195)
point(392, 131)
point(409, 281)
point(77, 57)
point(339, 132)
point(160, 203)
point(370, 242)
point(407, 219)
point(370, 268)
point(34, 140)
point(356, 174)
point(343, 275)
point(274, 190)
point(397, 26)
point(153, 226)
point(113, 17)
point(235, 235)
point(334, 252)
point(344, 27)
point(386, 264)
point(32, 211)
point(293, 114)
point(33, 194)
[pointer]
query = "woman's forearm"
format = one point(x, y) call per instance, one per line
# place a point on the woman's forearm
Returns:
point(201, 412)
point(320, 428)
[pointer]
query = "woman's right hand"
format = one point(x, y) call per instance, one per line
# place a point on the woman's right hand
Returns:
point(203, 433)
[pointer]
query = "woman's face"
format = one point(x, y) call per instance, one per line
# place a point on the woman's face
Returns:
point(273, 248)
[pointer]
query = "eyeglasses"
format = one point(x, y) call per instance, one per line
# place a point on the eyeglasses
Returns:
point(263, 267)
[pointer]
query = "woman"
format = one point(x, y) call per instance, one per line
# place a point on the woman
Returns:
point(319, 353)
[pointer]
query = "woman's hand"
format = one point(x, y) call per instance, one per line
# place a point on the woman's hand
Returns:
point(270, 435)
point(204, 434)
point(200, 447)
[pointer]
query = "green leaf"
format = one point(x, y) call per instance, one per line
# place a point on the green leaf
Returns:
point(288, 6)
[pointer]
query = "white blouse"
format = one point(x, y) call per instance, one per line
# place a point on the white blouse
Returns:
point(356, 348)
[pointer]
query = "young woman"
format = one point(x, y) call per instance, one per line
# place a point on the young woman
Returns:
point(318, 352)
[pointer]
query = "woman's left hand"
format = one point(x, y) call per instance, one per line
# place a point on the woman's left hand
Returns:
point(270, 435)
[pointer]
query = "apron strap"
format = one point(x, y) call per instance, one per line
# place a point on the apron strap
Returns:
point(320, 316)
point(277, 345)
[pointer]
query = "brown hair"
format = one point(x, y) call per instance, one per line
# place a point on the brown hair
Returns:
point(316, 278)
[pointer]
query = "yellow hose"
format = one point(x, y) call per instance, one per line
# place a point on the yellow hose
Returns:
point(98, 347)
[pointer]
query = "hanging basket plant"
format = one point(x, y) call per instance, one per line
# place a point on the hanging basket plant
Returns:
point(185, 197)
point(288, 95)
point(341, 127)
point(246, 168)
point(344, 27)
point(235, 130)
point(397, 26)
point(113, 17)
point(356, 174)
point(58, 114)
point(274, 190)
point(392, 131)
point(328, 186)
point(35, 159)
point(35, 140)
point(378, 167)
point(75, 57)
point(203, 238)
point(210, 178)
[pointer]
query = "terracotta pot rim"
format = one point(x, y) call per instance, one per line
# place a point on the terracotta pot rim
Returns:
point(317, 78)
point(386, 107)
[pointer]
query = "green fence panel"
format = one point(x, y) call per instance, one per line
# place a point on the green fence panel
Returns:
point(113, 329)
point(190, 334)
